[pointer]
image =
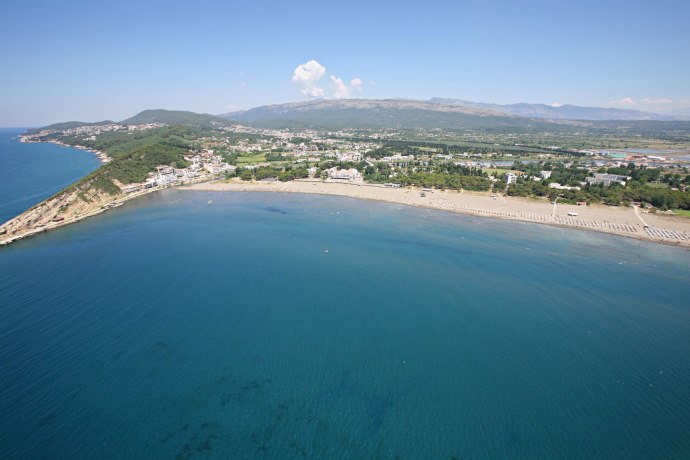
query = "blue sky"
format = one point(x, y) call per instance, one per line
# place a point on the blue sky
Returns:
point(96, 60)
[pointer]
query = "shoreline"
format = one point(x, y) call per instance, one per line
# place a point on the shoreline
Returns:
point(73, 220)
point(669, 230)
point(103, 157)
point(619, 221)
point(77, 218)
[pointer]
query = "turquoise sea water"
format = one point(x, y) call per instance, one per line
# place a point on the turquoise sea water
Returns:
point(30, 173)
point(171, 328)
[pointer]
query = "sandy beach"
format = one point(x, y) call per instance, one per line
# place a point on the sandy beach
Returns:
point(618, 220)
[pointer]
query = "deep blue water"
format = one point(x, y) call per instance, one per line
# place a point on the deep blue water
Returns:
point(170, 328)
point(30, 173)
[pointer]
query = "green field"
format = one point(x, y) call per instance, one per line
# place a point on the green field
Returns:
point(657, 185)
point(495, 171)
point(682, 212)
point(251, 159)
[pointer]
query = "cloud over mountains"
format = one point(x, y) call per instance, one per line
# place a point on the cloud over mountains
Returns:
point(309, 74)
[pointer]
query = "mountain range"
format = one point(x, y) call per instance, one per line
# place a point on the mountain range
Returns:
point(333, 114)
point(559, 112)
point(401, 114)
point(373, 113)
point(175, 117)
point(168, 117)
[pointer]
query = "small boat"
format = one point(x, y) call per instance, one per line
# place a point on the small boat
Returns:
point(210, 201)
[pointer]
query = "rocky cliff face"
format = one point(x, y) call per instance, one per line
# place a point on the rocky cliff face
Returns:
point(68, 206)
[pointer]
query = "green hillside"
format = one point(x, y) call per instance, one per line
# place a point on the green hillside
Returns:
point(67, 125)
point(411, 115)
point(176, 117)
point(333, 119)
point(136, 154)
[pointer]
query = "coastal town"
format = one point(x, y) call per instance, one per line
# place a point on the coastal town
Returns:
point(278, 147)
point(569, 186)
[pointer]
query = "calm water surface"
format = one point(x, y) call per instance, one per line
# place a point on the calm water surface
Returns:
point(32, 172)
point(170, 328)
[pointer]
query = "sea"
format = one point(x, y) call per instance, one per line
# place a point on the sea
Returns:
point(32, 172)
point(191, 324)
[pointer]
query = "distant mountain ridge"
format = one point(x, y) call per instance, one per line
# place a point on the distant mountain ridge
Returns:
point(561, 112)
point(397, 114)
point(363, 104)
point(175, 117)
point(375, 113)
point(403, 114)
point(167, 117)
point(67, 125)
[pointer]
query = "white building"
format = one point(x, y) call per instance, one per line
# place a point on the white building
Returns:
point(511, 178)
point(349, 156)
point(558, 186)
point(401, 161)
point(344, 174)
point(608, 179)
point(165, 175)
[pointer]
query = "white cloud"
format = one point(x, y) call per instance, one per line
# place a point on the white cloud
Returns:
point(308, 75)
point(312, 91)
point(556, 104)
point(652, 101)
point(626, 101)
point(340, 89)
point(309, 72)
